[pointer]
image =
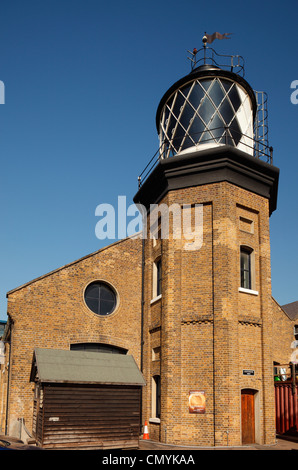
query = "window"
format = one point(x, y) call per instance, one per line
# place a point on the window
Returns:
point(155, 230)
point(245, 267)
point(100, 298)
point(208, 110)
point(156, 280)
point(156, 396)
point(158, 277)
point(98, 347)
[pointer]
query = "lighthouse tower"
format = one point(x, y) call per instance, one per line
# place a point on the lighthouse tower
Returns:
point(206, 279)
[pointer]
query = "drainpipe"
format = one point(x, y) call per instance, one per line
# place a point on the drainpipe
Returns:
point(213, 334)
point(142, 302)
point(8, 374)
point(142, 320)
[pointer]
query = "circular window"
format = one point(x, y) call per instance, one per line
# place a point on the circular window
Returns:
point(100, 298)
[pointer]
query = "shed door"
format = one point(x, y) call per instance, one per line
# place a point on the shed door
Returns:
point(248, 416)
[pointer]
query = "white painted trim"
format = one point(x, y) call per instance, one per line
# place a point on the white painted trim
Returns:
point(155, 299)
point(154, 420)
point(248, 291)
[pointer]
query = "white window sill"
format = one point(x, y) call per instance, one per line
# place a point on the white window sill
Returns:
point(155, 299)
point(248, 291)
point(154, 420)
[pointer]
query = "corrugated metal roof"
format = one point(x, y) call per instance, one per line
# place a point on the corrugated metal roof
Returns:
point(56, 365)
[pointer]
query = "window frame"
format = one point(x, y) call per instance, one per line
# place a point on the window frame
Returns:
point(157, 279)
point(155, 398)
point(109, 287)
point(249, 287)
point(246, 272)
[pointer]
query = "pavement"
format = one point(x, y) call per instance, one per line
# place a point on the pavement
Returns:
point(282, 443)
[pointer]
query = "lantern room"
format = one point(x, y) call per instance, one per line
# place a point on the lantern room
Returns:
point(210, 107)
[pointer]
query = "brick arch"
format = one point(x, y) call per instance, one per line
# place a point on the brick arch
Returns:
point(103, 339)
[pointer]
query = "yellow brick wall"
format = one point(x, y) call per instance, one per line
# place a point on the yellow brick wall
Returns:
point(210, 331)
point(51, 313)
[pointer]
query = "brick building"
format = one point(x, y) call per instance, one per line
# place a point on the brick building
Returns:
point(193, 304)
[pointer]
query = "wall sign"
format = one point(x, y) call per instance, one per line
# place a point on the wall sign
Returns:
point(248, 372)
point(197, 401)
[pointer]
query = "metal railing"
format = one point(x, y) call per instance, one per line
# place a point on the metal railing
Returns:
point(233, 63)
point(259, 149)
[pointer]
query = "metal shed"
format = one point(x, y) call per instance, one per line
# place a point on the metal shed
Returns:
point(85, 400)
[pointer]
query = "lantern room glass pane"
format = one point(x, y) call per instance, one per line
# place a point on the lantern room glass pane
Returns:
point(185, 90)
point(178, 137)
point(217, 127)
point(216, 93)
point(188, 143)
point(187, 115)
point(235, 131)
point(206, 138)
point(234, 97)
point(226, 111)
point(179, 102)
point(206, 82)
point(196, 95)
point(197, 128)
point(206, 109)
point(227, 84)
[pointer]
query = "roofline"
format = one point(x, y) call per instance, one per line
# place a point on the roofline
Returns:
point(282, 309)
point(38, 362)
point(136, 235)
point(290, 303)
point(82, 382)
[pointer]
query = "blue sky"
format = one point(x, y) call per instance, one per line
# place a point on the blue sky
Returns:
point(83, 80)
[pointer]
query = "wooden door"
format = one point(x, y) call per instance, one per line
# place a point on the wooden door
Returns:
point(248, 416)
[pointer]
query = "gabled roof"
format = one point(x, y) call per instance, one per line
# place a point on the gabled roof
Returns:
point(64, 366)
point(134, 236)
point(291, 310)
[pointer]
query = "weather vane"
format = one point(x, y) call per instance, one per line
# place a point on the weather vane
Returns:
point(207, 39)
